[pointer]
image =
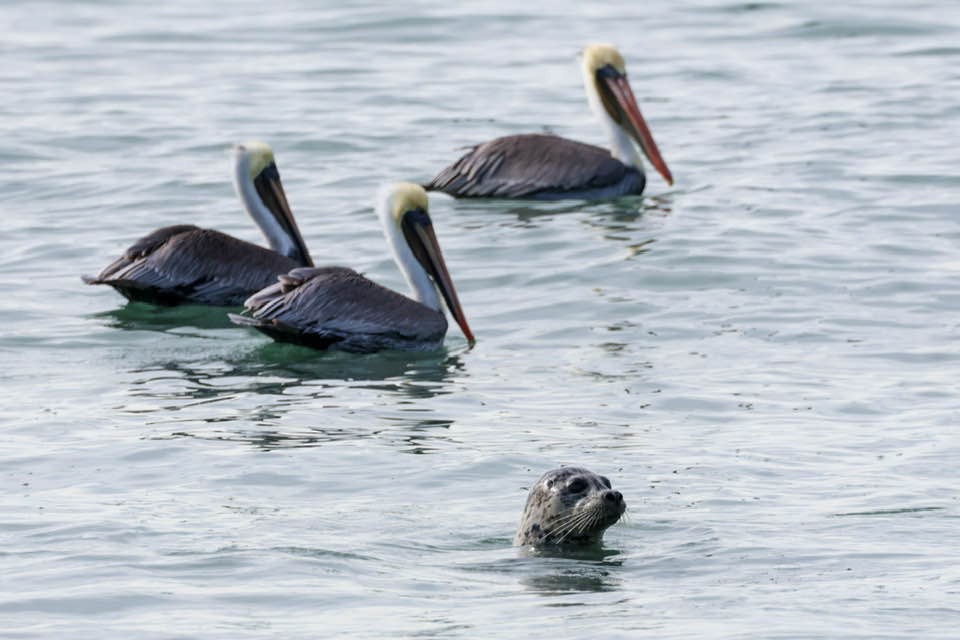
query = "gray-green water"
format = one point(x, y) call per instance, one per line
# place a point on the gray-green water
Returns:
point(764, 358)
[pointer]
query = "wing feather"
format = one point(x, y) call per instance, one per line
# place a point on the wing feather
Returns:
point(337, 307)
point(536, 166)
point(184, 263)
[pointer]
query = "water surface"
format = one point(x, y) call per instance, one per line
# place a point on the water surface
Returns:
point(763, 358)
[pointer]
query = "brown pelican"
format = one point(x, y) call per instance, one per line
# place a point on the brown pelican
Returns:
point(546, 167)
point(186, 264)
point(337, 308)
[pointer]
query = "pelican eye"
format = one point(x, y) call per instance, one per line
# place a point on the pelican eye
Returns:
point(610, 103)
point(609, 71)
point(415, 215)
point(577, 485)
point(261, 182)
point(270, 171)
point(410, 221)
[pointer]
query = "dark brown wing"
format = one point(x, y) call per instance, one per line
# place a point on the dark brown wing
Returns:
point(536, 166)
point(337, 307)
point(186, 264)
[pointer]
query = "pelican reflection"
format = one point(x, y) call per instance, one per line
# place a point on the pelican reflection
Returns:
point(275, 396)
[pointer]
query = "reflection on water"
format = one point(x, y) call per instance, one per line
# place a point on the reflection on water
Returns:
point(396, 371)
point(620, 210)
point(620, 221)
point(413, 436)
point(273, 439)
point(560, 571)
point(139, 316)
point(280, 396)
point(412, 374)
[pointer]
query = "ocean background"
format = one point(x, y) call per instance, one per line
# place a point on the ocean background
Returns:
point(764, 358)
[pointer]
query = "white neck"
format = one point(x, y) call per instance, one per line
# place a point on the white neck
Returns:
point(275, 234)
point(621, 145)
point(421, 286)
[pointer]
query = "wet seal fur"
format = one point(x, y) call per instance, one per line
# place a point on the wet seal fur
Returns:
point(569, 506)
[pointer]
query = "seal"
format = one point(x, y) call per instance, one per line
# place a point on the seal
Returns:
point(569, 506)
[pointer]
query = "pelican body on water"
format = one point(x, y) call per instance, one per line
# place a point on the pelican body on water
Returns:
point(546, 167)
point(186, 264)
point(337, 308)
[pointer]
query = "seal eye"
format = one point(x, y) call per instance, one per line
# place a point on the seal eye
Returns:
point(577, 485)
point(606, 481)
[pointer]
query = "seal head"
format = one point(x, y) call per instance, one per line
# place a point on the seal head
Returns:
point(569, 506)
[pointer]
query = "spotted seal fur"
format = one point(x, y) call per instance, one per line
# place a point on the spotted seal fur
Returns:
point(569, 506)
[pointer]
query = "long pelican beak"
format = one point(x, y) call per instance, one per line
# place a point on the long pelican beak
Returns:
point(615, 89)
point(418, 232)
point(270, 189)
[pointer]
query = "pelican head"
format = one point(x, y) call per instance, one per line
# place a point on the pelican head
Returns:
point(612, 100)
point(402, 208)
point(257, 182)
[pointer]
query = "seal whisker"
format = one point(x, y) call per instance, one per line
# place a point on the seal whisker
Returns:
point(579, 525)
point(567, 527)
point(574, 520)
point(596, 517)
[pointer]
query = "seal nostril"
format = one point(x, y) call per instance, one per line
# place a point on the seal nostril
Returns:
point(613, 496)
